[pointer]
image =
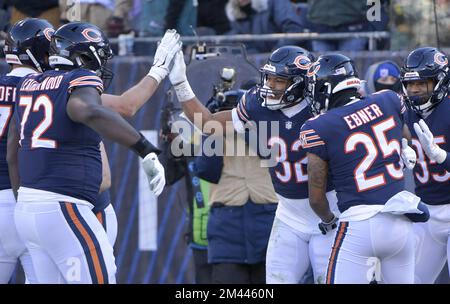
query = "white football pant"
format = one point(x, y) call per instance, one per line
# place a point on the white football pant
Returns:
point(381, 247)
point(67, 243)
point(433, 246)
point(108, 219)
point(296, 242)
point(11, 246)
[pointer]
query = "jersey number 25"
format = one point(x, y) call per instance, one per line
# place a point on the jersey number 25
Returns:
point(387, 148)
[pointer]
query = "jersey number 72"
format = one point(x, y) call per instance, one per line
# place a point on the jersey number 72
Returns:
point(42, 101)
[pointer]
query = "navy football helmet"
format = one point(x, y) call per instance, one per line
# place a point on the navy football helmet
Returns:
point(422, 64)
point(81, 45)
point(27, 43)
point(291, 63)
point(327, 76)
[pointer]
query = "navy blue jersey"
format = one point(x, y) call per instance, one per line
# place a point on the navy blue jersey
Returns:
point(362, 144)
point(431, 179)
point(7, 97)
point(57, 154)
point(102, 201)
point(289, 176)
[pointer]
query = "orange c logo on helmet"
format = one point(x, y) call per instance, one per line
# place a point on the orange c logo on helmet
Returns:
point(440, 59)
point(302, 62)
point(92, 35)
point(48, 32)
point(313, 70)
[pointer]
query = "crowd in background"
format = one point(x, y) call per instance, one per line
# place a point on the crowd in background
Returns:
point(410, 23)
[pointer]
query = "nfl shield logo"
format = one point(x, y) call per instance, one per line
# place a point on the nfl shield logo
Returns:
point(288, 125)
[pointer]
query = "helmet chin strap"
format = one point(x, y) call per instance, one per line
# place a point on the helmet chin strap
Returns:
point(35, 62)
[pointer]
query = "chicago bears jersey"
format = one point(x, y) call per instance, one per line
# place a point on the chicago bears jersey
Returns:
point(7, 97)
point(289, 176)
point(57, 154)
point(431, 179)
point(362, 144)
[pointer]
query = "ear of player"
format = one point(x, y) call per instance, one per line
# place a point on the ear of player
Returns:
point(426, 139)
point(169, 45)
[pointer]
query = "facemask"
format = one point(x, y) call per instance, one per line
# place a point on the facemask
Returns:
point(270, 101)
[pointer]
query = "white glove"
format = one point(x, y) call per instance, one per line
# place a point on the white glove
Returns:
point(179, 80)
point(408, 155)
point(170, 44)
point(426, 139)
point(155, 173)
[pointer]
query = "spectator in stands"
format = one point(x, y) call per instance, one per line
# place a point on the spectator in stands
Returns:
point(329, 16)
point(262, 17)
point(211, 14)
point(381, 76)
point(119, 22)
point(5, 15)
point(22, 9)
point(182, 16)
point(415, 23)
point(93, 11)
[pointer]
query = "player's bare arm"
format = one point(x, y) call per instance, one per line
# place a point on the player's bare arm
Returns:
point(317, 187)
point(128, 103)
point(11, 156)
point(194, 106)
point(106, 170)
point(191, 105)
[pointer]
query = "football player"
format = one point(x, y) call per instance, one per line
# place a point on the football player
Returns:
point(26, 51)
point(127, 105)
point(357, 144)
point(426, 79)
point(60, 117)
point(295, 240)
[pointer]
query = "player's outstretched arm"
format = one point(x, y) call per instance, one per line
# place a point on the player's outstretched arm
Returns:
point(84, 106)
point(317, 188)
point(191, 105)
point(11, 156)
point(128, 103)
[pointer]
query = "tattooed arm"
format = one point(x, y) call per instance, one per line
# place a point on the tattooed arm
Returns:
point(317, 187)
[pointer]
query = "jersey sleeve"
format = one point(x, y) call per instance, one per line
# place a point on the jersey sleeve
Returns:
point(85, 78)
point(243, 109)
point(242, 113)
point(312, 142)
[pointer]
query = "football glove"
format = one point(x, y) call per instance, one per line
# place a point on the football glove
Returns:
point(179, 80)
point(408, 155)
point(327, 227)
point(170, 44)
point(155, 173)
point(426, 139)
